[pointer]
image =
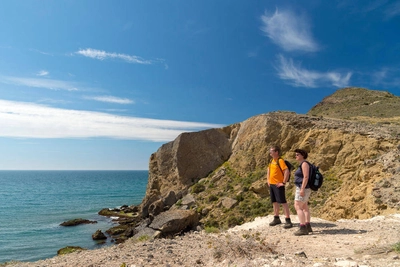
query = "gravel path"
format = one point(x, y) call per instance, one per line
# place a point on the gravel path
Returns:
point(341, 243)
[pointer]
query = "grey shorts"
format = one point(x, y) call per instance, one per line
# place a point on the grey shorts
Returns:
point(307, 193)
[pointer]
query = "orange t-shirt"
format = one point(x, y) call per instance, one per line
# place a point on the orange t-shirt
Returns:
point(275, 174)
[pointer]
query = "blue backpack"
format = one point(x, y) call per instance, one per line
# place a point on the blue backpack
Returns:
point(315, 177)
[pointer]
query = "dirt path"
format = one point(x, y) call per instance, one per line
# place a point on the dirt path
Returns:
point(340, 243)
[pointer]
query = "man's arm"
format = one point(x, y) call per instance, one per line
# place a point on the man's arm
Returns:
point(285, 175)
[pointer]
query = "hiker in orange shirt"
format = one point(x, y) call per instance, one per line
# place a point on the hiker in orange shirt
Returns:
point(277, 176)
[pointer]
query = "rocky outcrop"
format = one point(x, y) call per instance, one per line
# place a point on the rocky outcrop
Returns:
point(350, 154)
point(179, 164)
point(216, 177)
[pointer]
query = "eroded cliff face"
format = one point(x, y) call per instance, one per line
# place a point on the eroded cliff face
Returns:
point(179, 164)
point(360, 161)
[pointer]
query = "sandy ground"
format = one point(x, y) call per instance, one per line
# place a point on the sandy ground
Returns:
point(341, 243)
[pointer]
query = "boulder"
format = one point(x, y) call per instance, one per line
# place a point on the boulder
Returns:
point(147, 233)
point(156, 208)
point(170, 199)
point(99, 235)
point(228, 203)
point(175, 221)
point(188, 201)
point(260, 187)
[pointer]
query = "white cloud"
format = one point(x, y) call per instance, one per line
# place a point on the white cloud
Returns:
point(101, 55)
point(42, 73)
point(386, 77)
point(27, 120)
point(393, 10)
point(380, 75)
point(300, 77)
point(41, 52)
point(39, 83)
point(110, 99)
point(371, 6)
point(289, 31)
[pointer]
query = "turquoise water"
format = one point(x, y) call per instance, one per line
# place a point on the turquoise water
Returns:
point(34, 203)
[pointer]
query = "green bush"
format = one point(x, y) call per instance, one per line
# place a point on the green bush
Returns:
point(211, 222)
point(396, 247)
point(197, 188)
point(211, 230)
point(212, 198)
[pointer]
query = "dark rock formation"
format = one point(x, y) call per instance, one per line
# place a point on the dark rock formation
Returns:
point(69, 249)
point(99, 235)
point(75, 222)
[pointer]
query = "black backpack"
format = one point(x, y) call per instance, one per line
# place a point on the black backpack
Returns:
point(288, 164)
point(315, 177)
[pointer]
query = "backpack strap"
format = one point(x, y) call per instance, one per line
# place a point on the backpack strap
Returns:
point(279, 165)
point(302, 164)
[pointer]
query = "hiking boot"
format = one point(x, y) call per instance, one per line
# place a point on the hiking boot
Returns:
point(288, 224)
point(276, 221)
point(301, 231)
point(309, 229)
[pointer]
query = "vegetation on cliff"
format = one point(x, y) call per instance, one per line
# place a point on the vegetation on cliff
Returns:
point(358, 156)
point(220, 173)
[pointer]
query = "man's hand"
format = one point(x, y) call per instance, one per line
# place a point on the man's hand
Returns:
point(280, 184)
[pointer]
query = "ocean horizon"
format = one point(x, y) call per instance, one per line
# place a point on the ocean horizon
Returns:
point(35, 203)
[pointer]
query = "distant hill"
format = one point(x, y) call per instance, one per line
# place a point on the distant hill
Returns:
point(358, 103)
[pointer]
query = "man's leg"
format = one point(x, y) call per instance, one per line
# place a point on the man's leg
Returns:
point(286, 210)
point(276, 208)
point(288, 222)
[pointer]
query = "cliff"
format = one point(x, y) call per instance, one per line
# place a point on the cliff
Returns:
point(220, 173)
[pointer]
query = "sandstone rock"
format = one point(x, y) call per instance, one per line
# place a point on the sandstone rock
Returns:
point(188, 201)
point(175, 221)
point(260, 187)
point(228, 203)
point(170, 199)
point(179, 164)
point(147, 233)
point(150, 197)
point(352, 153)
point(156, 208)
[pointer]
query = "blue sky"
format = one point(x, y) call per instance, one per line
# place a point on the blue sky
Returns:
point(101, 85)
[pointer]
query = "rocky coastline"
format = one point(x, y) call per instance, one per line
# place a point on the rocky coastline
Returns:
point(368, 243)
point(215, 180)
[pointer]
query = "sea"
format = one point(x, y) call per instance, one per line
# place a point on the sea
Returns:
point(33, 204)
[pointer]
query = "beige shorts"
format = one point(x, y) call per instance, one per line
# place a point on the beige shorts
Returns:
point(307, 193)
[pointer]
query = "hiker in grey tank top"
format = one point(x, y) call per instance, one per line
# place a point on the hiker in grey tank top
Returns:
point(302, 193)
